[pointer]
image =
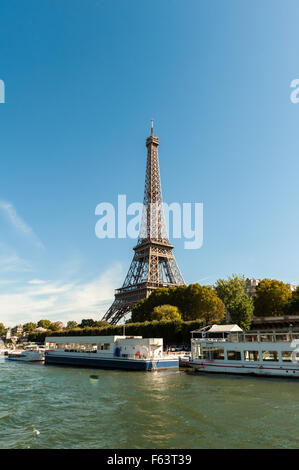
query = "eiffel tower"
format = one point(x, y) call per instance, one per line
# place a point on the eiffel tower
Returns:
point(153, 263)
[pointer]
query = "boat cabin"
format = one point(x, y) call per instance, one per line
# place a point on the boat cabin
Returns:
point(231, 343)
point(134, 347)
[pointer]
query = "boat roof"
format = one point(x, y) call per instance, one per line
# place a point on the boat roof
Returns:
point(218, 329)
point(87, 339)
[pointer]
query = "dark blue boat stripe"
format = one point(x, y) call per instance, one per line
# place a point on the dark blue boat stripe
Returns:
point(110, 363)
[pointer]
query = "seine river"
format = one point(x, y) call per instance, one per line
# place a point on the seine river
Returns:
point(59, 407)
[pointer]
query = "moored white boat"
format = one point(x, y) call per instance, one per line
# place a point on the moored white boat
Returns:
point(117, 352)
point(228, 349)
point(31, 353)
point(4, 351)
point(184, 359)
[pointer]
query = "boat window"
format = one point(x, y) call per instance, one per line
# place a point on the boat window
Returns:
point(297, 357)
point(196, 351)
point(205, 353)
point(218, 353)
point(251, 338)
point(286, 356)
point(295, 335)
point(251, 355)
point(234, 337)
point(282, 337)
point(106, 346)
point(234, 355)
point(213, 353)
point(270, 356)
point(266, 338)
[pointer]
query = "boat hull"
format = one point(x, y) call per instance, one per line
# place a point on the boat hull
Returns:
point(267, 370)
point(26, 358)
point(110, 363)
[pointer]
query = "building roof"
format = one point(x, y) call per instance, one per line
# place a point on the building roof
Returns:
point(218, 329)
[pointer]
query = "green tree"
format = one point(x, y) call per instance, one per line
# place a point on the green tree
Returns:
point(166, 312)
point(239, 307)
point(292, 307)
point(193, 301)
point(271, 298)
point(88, 322)
point(44, 324)
point(207, 306)
point(71, 324)
point(101, 323)
point(189, 299)
point(2, 329)
point(229, 289)
point(56, 326)
point(241, 310)
point(143, 310)
point(30, 326)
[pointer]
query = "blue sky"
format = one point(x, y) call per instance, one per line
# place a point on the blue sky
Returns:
point(83, 79)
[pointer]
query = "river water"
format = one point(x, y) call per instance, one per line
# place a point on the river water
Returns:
point(64, 407)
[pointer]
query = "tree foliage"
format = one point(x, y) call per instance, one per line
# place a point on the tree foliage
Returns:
point(173, 332)
point(193, 302)
point(238, 305)
point(229, 289)
point(101, 323)
point(56, 326)
point(71, 324)
point(44, 324)
point(271, 298)
point(292, 308)
point(241, 310)
point(89, 322)
point(2, 329)
point(166, 312)
point(205, 305)
point(30, 326)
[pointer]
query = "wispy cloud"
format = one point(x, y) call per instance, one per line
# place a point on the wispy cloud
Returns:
point(36, 281)
point(11, 262)
point(19, 224)
point(203, 279)
point(59, 300)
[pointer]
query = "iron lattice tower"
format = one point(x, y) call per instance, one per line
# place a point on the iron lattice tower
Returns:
point(153, 264)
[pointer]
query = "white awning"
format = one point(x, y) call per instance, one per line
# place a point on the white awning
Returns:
point(218, 329)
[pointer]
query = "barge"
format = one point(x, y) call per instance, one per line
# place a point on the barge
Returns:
point(229, 349)
point(113, 352)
